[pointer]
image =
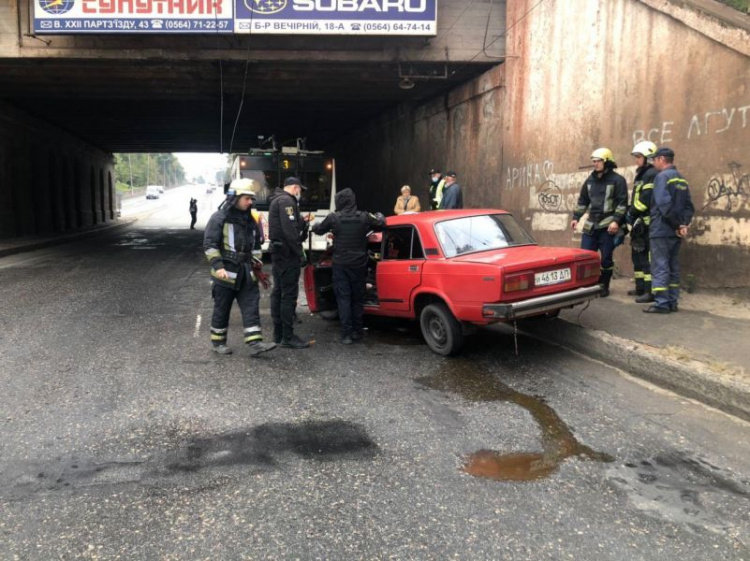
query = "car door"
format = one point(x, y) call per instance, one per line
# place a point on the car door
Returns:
point(400, 270)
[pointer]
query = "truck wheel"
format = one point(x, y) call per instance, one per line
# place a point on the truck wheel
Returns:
point(441, 330)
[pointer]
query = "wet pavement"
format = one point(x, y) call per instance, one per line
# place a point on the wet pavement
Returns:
point(124, 437)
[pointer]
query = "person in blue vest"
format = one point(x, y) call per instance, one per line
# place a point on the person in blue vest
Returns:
point(672, 211)
point(604, 195)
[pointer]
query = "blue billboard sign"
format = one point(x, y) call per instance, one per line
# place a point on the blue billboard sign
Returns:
point(336, 17)
point(133, 16)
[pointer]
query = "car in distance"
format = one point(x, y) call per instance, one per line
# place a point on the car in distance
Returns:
point(153, 192)
point(455, 269)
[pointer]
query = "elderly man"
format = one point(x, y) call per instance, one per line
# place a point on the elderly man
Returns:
point(406, 202)
point(452, 196)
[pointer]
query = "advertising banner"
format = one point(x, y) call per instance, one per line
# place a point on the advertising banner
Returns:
point(336, 17)
point(133, 16)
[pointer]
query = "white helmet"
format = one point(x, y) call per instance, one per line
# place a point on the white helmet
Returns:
point(645, 148)
point(244, 186)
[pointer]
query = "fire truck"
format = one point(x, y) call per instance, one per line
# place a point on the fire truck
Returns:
point(270, 167)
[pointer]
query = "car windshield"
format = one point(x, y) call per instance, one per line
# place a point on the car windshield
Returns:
point(480, 233)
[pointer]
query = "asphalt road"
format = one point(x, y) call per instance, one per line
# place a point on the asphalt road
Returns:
point(124, 437)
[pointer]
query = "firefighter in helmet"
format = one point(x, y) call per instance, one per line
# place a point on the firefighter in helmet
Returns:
point(233, 248)
point(604, 195)
point(639, 218)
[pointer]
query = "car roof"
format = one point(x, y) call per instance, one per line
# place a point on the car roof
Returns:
point(432, 216)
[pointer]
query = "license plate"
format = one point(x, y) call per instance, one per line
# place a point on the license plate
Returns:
point(551, 277)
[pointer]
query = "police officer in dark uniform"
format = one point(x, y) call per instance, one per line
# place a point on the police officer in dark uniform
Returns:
point(671, 213)
point(437, 182)
point(349, 227)
point(286, 232)
point(232, 245)
point(639, 219)
point(605, 195)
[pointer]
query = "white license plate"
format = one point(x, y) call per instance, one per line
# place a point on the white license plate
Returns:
point(551, 277)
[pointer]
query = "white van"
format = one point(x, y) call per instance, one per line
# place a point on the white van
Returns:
point(152, 192)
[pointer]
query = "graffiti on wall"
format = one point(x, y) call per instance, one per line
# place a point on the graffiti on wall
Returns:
point(728, 191)
point(715, 121)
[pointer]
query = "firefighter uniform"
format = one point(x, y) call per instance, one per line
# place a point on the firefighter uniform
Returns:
point(605, 197)
point(232, 242)
point(286, 232)
point(672, 207)
point(349, 227)
point(639, 217)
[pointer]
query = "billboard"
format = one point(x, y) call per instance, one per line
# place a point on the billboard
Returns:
point(133, 16)
point(336, 17)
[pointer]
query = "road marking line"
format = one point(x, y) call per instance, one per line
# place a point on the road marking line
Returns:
point(197, 326)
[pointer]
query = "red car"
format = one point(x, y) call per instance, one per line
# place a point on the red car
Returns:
point(461, 268)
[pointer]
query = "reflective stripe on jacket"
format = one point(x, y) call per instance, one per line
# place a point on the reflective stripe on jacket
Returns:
point(230, 240)
point(672, 206)
point(605, 198)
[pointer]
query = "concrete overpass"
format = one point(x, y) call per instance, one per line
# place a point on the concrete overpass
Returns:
point(68, 101)
point(515, 108)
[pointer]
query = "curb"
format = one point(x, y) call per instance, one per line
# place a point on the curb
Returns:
point(64, 237)
point(691, 378)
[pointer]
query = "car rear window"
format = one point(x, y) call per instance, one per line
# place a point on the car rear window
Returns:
point(480, 233)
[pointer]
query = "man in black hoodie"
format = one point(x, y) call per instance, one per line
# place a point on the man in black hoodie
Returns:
point(286, 232)
point(349, 227)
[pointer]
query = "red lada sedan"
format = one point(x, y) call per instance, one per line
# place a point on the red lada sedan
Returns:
point(456, 269)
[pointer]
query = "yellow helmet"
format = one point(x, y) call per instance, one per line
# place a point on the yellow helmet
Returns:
point(244, 186)
point(645, 148)
point(602, 154)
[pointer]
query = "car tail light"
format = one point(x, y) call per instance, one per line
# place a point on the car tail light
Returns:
point(518, 282)
point(588, 270)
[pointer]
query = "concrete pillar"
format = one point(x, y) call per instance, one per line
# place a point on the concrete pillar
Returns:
point(7, 217)
point(92, 195)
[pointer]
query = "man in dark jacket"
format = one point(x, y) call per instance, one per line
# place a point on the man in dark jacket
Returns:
point(193, 212)
point(286, 232)
point(349, 227)
point(232, 246)
point(639, 218)
point(672, 211)
point(452, 196)
point(437, 183)
point(604, 195)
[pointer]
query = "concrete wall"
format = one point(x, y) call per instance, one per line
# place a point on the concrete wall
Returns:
point(580, 75)
point(50, 181)
point(590, 74)
point(461, 131)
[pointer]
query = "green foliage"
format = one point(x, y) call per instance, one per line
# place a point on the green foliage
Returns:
point(741, 5)
point(148, 169)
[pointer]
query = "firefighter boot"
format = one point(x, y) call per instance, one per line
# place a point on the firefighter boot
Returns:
point(639, 288)
point(604, 280)
point(646, 297)
point(259, 347)
point(221, 349)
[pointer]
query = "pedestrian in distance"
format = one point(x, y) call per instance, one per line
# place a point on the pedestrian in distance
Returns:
point(232, 246)
point(604, 195)
point(437, 182)
point(193, 212)
point(349, 227)
point(286, 232)
point(639, 218)
point(406, 202)
point(452, 195)
point(672, 211)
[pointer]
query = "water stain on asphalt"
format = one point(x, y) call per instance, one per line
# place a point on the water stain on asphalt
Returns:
point(683, 489)
point(558, 442)
point(265, 444)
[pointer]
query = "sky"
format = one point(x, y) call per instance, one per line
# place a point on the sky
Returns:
point(196, 164)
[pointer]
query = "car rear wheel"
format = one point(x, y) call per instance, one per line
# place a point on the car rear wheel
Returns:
point(441, 330)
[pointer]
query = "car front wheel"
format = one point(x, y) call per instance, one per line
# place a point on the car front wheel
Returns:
point(441, 330)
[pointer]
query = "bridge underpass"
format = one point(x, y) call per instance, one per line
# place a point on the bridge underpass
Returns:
point(67, 102)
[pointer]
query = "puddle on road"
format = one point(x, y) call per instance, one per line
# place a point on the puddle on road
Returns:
point(558, 442)
point(137, 243)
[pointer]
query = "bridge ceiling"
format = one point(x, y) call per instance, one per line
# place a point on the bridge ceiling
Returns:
point(136, 105)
